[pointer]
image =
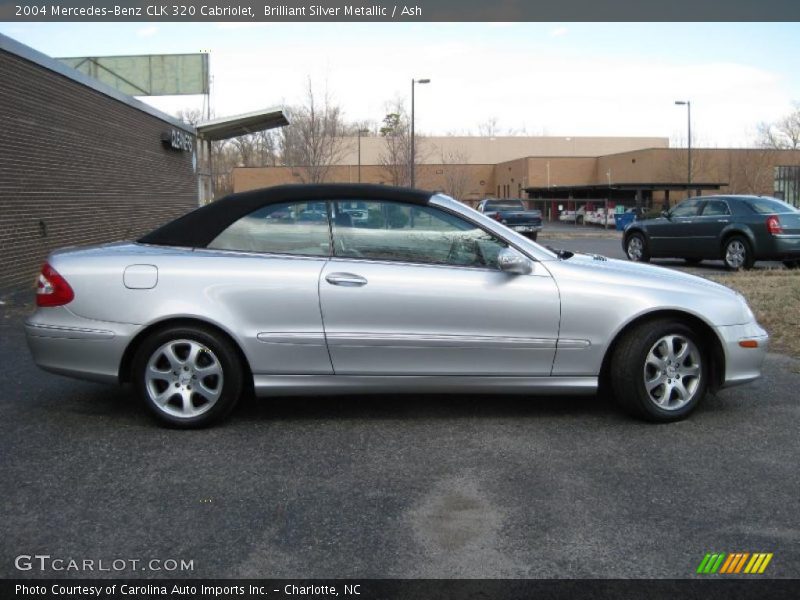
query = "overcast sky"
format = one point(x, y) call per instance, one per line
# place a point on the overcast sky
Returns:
point(548, 78)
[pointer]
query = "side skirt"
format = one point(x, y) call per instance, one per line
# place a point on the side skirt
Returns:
point(300, 385)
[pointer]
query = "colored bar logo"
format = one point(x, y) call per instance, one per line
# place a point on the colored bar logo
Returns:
point(735, 562)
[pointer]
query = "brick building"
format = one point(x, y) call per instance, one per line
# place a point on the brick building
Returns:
point(80, 163)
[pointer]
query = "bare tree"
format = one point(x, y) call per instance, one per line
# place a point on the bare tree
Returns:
point(751, 171)
point(396, 154)
point(489, 128)
point(314, 141)
point(456, 173)
point(783, 134)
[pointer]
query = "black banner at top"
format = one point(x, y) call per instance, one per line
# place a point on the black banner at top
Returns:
point(395, 11)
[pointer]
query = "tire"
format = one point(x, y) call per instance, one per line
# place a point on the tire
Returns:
point(693, 261)
point(646, 364)
point(791, 264)
point(636, 248)
point(533, 236)
point(737, 253)
point(579, 220)
point(199, 366)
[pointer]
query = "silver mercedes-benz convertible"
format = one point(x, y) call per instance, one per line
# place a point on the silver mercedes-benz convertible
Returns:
point(340, 289)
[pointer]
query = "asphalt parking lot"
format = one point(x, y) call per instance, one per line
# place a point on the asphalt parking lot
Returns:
point(425, 486)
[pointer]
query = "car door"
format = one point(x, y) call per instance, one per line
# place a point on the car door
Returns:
point(270, 262)
point(714, 217)
point(673, 235)
point(416, 290)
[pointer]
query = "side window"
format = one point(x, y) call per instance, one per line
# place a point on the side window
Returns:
point(716, 208)
point(687, 208)
point(409, 233)
point(299, 228)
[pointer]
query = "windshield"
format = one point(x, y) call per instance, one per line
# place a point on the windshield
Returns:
point(768, 206)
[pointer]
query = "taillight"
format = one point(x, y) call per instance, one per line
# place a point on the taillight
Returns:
point(774, 225)
point(52, 289)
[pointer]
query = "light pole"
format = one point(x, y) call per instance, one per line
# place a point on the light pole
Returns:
point(413, 158)
point(360, 132)
point(688, 105)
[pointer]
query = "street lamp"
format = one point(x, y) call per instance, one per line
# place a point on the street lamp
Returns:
point(360, 132)
point(688, 105)
point(413, 158)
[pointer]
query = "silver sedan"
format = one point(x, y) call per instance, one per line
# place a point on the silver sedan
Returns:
point(341, 289)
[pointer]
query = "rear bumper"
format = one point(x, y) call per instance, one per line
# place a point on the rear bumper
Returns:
point(780, 247)
point(742, 365)
point(66, 344)
point(526, 228)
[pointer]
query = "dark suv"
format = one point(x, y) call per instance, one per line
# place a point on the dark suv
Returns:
point(737, 229)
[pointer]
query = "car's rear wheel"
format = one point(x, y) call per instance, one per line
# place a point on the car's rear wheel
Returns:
point(659, 371)
point(188, 377)
point(737, 254)
point(636, 248)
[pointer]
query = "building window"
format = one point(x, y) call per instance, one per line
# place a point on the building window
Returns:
point(787, 184)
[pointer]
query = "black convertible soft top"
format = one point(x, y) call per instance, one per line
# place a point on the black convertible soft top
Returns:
point(198, 228)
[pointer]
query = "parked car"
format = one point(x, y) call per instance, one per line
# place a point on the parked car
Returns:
point(433, 296)
point(737, 229)
point(567, 216)
point(513, 214)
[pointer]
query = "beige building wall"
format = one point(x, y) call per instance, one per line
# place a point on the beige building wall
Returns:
point(469, 182)
point(494, 150)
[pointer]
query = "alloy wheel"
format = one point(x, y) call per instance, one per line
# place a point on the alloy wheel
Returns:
point(672, 372)
point(183, 378)
point(735, 254)
point(635, 248)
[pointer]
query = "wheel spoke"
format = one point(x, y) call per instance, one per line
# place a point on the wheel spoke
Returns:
point(206, 392)
point(169, 353)
point(654, 383)
point(690, 371)
point(186, 403)
point(156, 374)
point(194, 352)
point(162, 398)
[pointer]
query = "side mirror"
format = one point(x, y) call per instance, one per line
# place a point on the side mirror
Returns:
point(665, 214)
point(511, 261)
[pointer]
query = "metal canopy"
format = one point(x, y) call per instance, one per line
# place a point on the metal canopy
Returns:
point(604, 188)
point(229, 127)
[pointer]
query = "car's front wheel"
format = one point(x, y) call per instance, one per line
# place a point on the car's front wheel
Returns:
point(737, 254)
point(188, 377)
point(659, 371)
point(636, 248)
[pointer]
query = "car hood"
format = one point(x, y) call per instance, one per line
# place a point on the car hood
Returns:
point(600, 267)
point(622, 287)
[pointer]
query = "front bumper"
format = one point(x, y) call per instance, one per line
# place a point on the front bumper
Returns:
point(64, 343)
point(742, 364)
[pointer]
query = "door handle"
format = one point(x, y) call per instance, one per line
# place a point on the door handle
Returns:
point(345, 279)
